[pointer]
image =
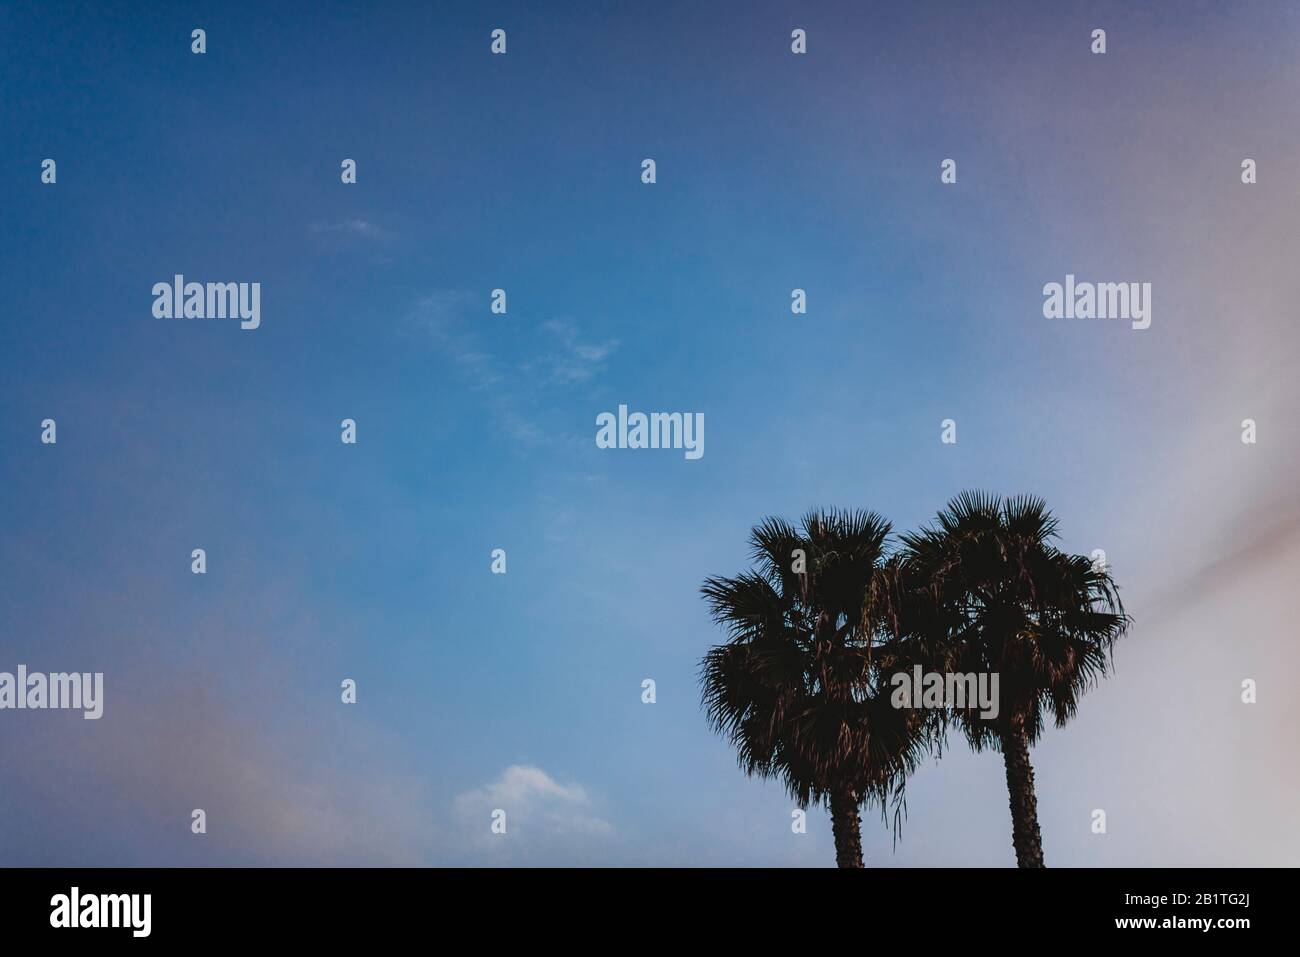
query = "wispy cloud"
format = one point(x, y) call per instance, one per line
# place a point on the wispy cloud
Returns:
point(361, 228)
point(574, 359)
point(441, 317)
point(562, 357)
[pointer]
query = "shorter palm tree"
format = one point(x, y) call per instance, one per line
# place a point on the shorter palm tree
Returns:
point(795, 687)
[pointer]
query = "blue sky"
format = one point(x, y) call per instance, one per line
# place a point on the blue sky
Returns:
point(476, 431)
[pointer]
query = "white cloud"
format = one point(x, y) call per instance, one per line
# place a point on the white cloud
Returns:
point(545, 819)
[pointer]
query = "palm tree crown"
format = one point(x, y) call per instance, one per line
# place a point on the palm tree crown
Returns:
point(797, 688)
point(1007, 600)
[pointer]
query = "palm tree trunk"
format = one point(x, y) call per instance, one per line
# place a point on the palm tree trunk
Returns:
point(1025, 836)
point(846, 824)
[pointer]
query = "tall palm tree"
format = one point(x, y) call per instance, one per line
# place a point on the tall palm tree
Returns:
point(992, 593)
point(795, 687)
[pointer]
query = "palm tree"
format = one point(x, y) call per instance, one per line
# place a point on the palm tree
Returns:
point(794, 687)
point(989, 592)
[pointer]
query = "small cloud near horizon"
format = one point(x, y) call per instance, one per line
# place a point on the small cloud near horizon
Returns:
point(544, 817)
